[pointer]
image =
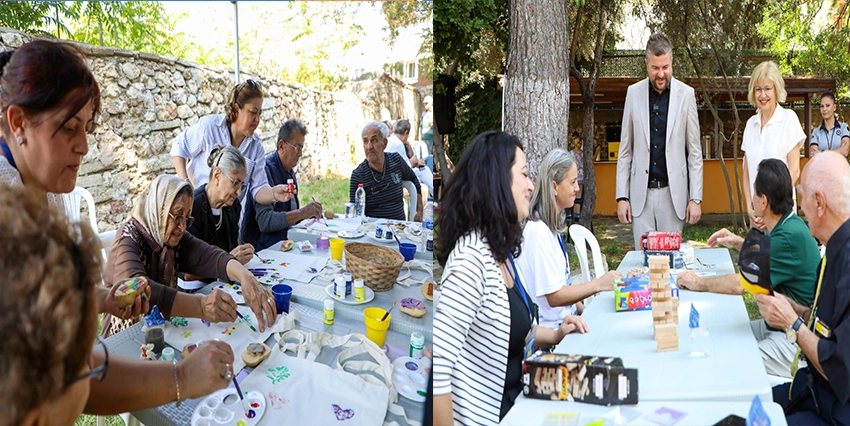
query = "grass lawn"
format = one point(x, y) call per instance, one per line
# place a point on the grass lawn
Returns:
point(331, 191)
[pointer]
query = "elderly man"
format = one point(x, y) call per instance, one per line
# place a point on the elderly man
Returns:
point(266, 225)
point(399, 142)
point(793, 258)
point(819, 393)
point(381, 174)
point(659, 171)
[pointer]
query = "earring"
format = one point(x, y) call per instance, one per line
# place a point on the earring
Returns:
point(20, 140)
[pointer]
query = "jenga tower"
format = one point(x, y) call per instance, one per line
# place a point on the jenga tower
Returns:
point(665, 308)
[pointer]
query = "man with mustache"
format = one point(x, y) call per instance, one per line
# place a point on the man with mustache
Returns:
point(659, 171)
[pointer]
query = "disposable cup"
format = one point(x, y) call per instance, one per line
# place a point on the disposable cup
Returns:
point(282, 295)
point(336, 248)
point(376, 330)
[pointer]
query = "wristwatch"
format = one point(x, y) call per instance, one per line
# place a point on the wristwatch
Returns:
point(791, 333)
point(698, 202)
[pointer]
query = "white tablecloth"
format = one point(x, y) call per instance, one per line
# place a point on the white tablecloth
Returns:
point(534, 412)
point(733, 370)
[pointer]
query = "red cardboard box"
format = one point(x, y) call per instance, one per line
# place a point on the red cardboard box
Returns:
point(661, 240)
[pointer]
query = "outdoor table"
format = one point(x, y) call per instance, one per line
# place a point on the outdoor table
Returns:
point(733, 370)
point(529, 411)
point(128, 342)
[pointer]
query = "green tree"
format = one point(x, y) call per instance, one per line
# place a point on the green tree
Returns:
point(34, 17)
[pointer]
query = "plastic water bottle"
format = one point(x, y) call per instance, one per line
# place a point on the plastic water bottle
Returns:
point(360, 202)
point(428, 221)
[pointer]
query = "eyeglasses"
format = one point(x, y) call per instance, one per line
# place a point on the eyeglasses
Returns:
point(236, 183)
point(181, 220)
point(253, 85)
point(297, 149)
point(760, 90)
point(97, 373)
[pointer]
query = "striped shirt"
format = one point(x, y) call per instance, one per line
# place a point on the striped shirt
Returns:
point(197, 142)
point(384, 191)
point(472, 327)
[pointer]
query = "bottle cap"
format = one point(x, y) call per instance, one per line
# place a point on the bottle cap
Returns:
point(329, 304)
point(417, 339)
point(360, 185)
point(358, 283)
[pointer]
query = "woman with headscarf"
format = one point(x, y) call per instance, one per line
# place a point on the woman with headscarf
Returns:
point(544, 261)
point(237, 128)
point(153, 243)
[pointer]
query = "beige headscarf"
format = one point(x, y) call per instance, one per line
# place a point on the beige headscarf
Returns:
point(152, 209)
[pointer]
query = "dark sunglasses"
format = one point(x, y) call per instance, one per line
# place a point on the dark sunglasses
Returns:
point(253, 85)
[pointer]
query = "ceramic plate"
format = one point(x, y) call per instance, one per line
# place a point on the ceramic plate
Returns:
point(234, 290)
point(349, 299)
point(410, 378)
point(225, 408)
point(350, 235)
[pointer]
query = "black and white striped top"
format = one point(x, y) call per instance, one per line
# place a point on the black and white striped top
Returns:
point(472, 327)
point(384, 190)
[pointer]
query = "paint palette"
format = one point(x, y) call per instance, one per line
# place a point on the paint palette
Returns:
point(410, 378)
point(234, 290)
point(349, 299)
point(225, 408)
point(350, 235)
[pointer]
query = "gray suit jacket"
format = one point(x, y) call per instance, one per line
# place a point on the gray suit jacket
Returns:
point(683, 150)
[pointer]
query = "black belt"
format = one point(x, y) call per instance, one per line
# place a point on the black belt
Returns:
point(656, 184)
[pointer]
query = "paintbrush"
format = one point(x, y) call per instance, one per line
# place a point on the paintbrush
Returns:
point(319, 219)
point(246, 321)
point(239, 391)
point(388, 312)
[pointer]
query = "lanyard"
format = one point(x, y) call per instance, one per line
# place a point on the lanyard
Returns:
point(563, 247)
point(515, 276)
point(812, 314)
point(7, 154)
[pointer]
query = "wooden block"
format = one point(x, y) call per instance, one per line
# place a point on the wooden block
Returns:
point(658, 314)
point(670, 348)
point(666, 327)
point(660, 276)
point(665, 305)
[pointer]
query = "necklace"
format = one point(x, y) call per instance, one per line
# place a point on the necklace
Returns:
point(220, 217)
point(383, 173)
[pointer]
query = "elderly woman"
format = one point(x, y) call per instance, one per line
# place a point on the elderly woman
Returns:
point(215, 209)
point(236, 127)
point(381, 174)
point(484, 325)
point(151, 242)
point(544, 261)
point(773, 132)
point(48, 314)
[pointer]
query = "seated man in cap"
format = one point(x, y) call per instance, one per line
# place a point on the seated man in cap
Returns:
point(793, 258)
point(819, 393)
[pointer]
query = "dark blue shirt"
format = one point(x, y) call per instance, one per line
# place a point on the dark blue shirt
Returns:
point(251, 233)
point(659, 104)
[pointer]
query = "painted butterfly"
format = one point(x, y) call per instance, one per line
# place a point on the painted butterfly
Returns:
point(342, 414)
point(276, 401)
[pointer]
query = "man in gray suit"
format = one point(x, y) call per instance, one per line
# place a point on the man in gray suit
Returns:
point(659, 171)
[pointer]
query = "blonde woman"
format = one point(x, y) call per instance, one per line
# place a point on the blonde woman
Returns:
point(773, 132)
point(544, 261)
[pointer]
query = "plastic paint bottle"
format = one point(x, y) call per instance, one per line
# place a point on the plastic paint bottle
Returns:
point(329, 312)
point(291, 184)
point(339, 286)
point(359, 291)
point(417, 343)
point(347, 276)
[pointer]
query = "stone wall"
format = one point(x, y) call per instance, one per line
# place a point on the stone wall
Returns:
point(148, 100)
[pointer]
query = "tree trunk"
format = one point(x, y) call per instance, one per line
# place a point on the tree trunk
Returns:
point(537, 86)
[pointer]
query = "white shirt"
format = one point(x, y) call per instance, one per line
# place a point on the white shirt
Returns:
point(545, 269)
point(197, 142)
point(394, 144)
point(779, 136)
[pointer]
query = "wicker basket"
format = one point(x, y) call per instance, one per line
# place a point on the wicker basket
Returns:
point(377, 266)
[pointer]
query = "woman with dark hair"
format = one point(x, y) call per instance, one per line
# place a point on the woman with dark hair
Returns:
point(831, 134)
point(151, 242)
point(48, 101)
point(484, 325)
point(215, 209)
point(544, 252)
point(237, 128)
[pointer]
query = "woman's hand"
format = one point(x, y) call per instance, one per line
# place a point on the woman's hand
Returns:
point(204, 372)
point(259, 300)
point(606, 283)
point(282, 194)
point(141, 305)
point(218, 306)
point(243, 253)
point(573, 323)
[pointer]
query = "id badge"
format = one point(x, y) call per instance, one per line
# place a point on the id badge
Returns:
point(822, 329)
point(529, 342)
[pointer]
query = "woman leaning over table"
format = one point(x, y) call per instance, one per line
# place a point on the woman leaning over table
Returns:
point(544, 257)
point(237, 128)
point(153, 243)
point(773, 132)
point(485, 317)
point(215, 209)
point(48, 314)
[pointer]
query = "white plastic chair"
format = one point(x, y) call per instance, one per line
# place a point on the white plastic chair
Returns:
point(410, 204)
point(73, 202)
point(582, 237)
